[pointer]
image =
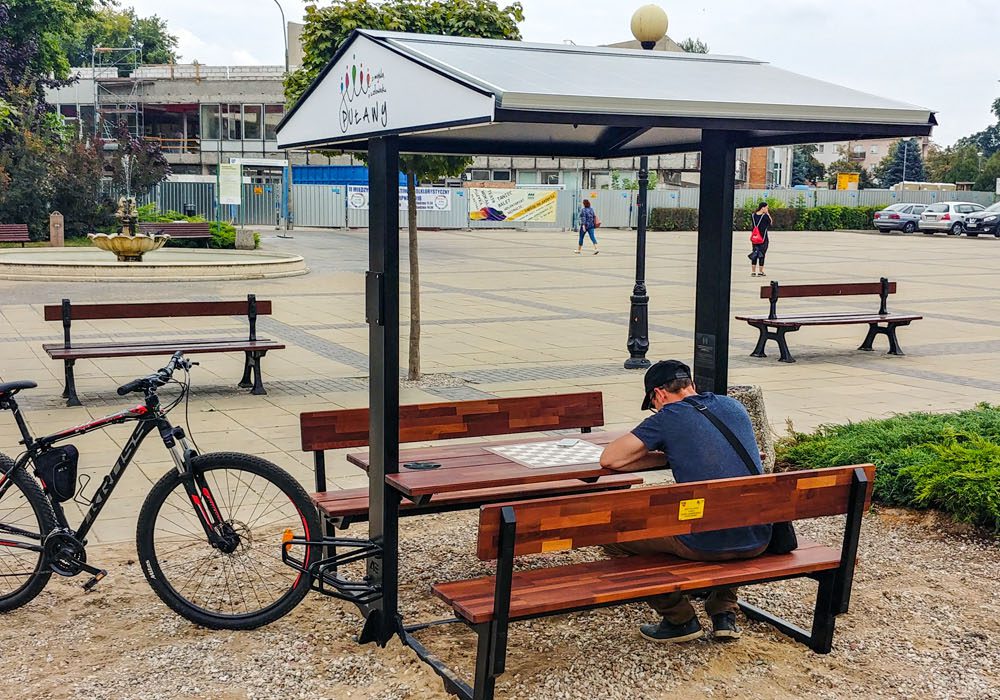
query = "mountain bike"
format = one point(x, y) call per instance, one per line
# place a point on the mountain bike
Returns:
point(212, 533)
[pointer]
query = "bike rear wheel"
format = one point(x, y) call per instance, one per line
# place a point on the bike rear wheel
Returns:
point(249, 586)
point(25, 519)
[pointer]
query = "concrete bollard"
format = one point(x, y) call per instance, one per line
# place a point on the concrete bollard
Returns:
point(244, 239)
point(57, 232)
point(752, 398)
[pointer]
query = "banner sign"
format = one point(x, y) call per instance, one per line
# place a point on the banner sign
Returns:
point(428, 198)
point(487, 204)
point(230, 183)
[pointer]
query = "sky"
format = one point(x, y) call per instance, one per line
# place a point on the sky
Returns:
point(943, 56)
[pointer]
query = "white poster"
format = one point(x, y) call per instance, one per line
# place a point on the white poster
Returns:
point(998, 185)
point(230, 183)
point(491, 204)
point(428, 198)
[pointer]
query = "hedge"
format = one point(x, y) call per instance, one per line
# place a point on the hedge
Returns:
point(825, 218)
point(223, 232)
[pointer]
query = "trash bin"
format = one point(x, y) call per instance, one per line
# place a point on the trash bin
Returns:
point(190, 210)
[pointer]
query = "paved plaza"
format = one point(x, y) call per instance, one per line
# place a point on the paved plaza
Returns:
point(512, 313)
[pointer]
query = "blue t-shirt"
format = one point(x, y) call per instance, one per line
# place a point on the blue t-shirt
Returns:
point(697, 451)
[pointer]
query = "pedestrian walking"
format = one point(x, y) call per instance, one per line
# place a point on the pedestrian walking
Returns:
point(760, 220)
point(588, 222)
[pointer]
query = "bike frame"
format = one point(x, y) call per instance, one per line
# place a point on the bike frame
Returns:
point(149, 417)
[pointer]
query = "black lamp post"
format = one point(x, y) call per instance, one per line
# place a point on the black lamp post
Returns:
point(649, 25)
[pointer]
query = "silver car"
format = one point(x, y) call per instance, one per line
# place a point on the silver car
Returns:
point(947, 216)
point(899, 217)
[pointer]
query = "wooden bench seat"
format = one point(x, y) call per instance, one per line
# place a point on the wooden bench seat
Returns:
point(68, 352)
point(579, 586)
point(792, 322)
point(351, 505)
point(509, 530)
point(331, 430)
point(179, 229)
point(14, 233)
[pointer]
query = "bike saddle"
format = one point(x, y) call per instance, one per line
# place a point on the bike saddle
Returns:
point(11, 388)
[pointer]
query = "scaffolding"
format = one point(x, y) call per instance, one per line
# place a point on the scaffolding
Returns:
point(117, 92)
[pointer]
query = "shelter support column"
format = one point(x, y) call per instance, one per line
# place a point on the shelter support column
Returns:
point(715, 255)
point(382, 311)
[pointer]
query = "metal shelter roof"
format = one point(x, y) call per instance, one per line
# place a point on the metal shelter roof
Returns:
point(456, 95)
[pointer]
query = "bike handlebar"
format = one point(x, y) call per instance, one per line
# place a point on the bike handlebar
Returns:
point(159, 378)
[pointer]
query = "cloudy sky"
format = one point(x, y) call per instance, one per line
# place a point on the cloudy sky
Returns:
point(941, 55)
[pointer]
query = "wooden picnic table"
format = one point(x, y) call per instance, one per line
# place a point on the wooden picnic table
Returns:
point(473, 466)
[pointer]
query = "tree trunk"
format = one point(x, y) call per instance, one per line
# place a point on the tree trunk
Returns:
point(413, 371)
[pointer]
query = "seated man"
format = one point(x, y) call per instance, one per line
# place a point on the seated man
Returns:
point(696, 450)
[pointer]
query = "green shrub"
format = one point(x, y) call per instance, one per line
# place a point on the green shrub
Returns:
point(223, 232)
point(673, 219)
point(824, 218)
point(946, 461)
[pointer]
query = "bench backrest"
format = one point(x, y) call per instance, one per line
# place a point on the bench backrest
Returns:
point(68, 312)
point(13, 232)
point(331, 430)
point(883, 288)
point(179, 229)
point(571, 522)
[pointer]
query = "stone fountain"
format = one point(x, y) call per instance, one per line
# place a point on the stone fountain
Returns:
point(128, 244)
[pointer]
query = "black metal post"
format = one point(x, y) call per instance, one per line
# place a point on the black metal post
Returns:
point(715, 253)
point(382, 300)
point(638, 324)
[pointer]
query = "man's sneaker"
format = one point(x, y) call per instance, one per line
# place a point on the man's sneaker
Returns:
point(724, 626)
point(667, 633)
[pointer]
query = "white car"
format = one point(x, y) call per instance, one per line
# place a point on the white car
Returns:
point(947, 216)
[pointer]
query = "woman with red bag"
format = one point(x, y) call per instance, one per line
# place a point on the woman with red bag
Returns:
point(760, 220)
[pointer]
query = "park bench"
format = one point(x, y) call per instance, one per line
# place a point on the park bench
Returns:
point(508, 530)
point(69, 352)
point(179, 229)
point(14, 233)
point(783, 325)
point(331, 430)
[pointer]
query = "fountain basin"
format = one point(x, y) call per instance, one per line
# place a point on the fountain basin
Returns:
point(168, 265)
point(129, 248)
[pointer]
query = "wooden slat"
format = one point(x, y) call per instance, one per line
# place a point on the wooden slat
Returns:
point(354, 502)
point(437, 481)
point(189, 229)
point(827, 320)
point(60, 352)
point(827, 290)
point(172, 309)
point(576, 586)
point(647, 513)
point(330, 430)
point(15, 230)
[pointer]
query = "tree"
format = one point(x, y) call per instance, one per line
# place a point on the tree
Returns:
point(986, 141)
point(136, 165)
point(805, 168)
point(120, 29)
point(327, 28)
point(31, 38)
point(845, 165)
point(958, 163)
point(692, 45)
point(77, 193)
point(902, 162)
point(987, 180)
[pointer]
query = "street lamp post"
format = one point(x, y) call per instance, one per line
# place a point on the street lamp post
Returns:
point(649, 25)
point(287, 180)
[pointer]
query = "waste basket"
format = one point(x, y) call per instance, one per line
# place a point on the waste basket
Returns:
point(190, 210)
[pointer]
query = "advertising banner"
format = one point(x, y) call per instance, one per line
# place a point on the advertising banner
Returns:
point(488, 204)
point(230, 183)
point(428, 198)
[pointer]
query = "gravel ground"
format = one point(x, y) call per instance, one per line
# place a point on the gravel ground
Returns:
point(923, 624)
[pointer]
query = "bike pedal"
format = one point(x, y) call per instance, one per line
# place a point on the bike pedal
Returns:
point(94, 580)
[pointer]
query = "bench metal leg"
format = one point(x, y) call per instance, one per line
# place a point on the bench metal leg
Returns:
point(258, 382)
point(824, 617)
point(889, 332)
point(69, 393)
point(778, 335)
point(485, 681)
point(245, 382)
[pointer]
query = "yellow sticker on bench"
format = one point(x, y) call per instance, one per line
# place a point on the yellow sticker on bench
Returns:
point(816, 482)
point(556, 545)
point(692, 510)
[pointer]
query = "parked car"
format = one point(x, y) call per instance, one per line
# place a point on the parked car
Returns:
point(947, 216)
point(986, 221)
point(899, 217)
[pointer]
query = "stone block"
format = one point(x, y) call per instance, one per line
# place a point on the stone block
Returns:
point(57, 231)
point(244, 239)
point(752, 398)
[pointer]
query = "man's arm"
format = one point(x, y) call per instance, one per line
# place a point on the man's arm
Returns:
point(628, 454)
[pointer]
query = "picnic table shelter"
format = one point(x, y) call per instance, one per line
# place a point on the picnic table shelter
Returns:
point(387, 93)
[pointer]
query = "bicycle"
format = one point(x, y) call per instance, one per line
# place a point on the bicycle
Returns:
point(212, 533)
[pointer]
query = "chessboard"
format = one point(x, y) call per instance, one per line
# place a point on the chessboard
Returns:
point(544, 455)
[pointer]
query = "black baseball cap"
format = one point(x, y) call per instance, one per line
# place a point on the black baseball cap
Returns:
point(663, 372)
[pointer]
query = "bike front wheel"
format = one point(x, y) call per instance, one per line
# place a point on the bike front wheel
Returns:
point(242, 585)
point(25, 519)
